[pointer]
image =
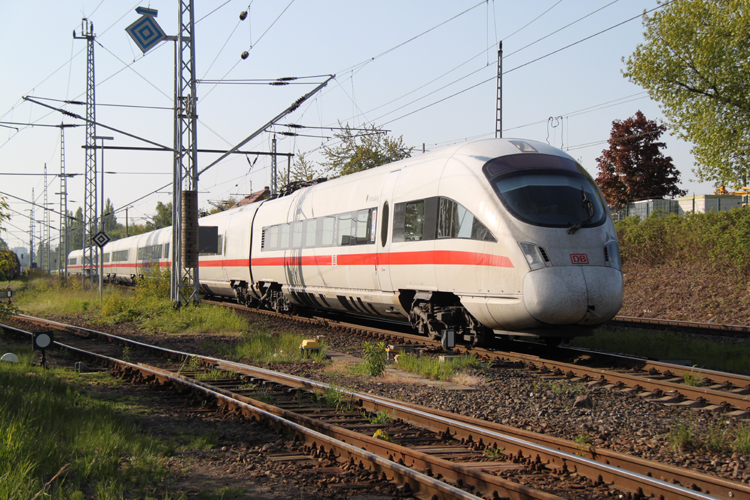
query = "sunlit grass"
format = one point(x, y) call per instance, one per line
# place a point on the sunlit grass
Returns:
point(260, 346)
point(48, 425)
point(730, 357)
point(431, 367)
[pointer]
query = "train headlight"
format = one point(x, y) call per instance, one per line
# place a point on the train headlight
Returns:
point(532, 254)
point(612, 255)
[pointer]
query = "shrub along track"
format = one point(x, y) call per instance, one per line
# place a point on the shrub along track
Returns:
point(437, 443)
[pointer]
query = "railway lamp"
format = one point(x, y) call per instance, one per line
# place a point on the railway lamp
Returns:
point(41, 341)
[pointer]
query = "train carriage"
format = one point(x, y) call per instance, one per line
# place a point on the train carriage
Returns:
point(488, 237)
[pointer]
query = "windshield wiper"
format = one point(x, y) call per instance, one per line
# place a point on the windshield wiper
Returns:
point(589, 210)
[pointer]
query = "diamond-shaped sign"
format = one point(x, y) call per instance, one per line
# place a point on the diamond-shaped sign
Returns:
point(101, 239)
point(145, 32)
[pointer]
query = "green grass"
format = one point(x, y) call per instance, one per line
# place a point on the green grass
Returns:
point(431, 367)
point(148, 306)
point(733, 358)
point(48, 426)
point(260, 346)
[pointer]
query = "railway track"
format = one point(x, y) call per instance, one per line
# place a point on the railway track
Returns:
point(666, 383)
point(429, 447)
point(681, 326)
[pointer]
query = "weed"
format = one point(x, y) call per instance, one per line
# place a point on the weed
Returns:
point(717, 437)
point(381, 417)
point(690, 379)
point(682, 437)
point(213, 374)
point(126, 353)
point(263, 395)
point(431, 367)
point(375, 358)
point(335, 398)
point(741, 443)
point(494, 453)
point(582, 441)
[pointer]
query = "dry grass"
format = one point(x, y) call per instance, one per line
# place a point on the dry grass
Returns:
point(463, 378)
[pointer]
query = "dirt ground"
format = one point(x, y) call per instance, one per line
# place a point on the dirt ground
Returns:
point(687, 293)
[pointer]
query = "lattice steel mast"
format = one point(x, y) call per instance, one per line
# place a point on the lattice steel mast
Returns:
point(499, 108)
point(89, 203)
point(185, 176)
point(45, 230)
point(63, 248)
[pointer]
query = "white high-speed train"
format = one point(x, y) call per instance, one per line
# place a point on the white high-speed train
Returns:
point(499, 236)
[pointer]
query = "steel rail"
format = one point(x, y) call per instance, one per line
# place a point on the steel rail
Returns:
point(556, 451)
point(421, 484)
point(667, 370)
point(687, 326)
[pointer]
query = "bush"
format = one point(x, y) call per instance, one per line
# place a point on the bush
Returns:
point(375, 357)
point(10, 268)
point(720, 239)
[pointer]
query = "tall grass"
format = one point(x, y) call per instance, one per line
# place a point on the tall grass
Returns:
point(431, 367)
point(148, 305)
point(265, 347)
point(49, 428)
point(721, 240)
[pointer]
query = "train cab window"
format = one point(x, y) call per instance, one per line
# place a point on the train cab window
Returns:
point(454, 221)
point(384, 226)
point(296, 235)
point(310, 232)
point(546, 190)
point(327, 231)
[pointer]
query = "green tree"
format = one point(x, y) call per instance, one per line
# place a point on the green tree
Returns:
point(4, 215)
point(162, 218)
point(696, 62)
point(222, 205)
point(359, 151)
point(110, 220)
point(10, 267)
point(634, 168)
point(3, 244)
point(75, 229)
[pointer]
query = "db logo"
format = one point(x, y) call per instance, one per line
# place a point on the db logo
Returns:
point(579, 258)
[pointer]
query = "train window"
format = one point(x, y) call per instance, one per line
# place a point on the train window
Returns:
point(327, 237)
point(344, 229)
point(414, 221)
point(271, 238)
point(384, 227)
point(106, 258)
point(311, 232)
point(364, 217)
point(72, 261)
point(296, 235)
point(283, 236)
point(166, 251)
point(454, 221)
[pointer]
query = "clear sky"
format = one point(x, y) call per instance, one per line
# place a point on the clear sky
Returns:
point(423, 69)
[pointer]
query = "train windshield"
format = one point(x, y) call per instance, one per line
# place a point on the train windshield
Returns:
point(546, 190)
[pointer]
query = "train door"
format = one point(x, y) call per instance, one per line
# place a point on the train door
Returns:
point(383, 237)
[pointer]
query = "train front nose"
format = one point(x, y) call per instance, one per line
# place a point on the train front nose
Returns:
point(573, 295)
